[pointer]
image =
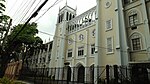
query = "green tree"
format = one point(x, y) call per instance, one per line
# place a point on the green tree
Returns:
point(27, 38)
point(3, 18)
point(3, 24)
point(2, 6)
point(23, 44)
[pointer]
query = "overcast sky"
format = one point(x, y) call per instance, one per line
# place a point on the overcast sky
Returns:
point(17, 10)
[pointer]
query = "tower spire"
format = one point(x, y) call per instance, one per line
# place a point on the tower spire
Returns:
point(76, 8)
point(66, 3)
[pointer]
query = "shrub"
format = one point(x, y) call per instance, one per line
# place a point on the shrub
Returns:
point(5, 80)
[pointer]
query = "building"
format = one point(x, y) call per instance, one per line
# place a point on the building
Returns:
point(41, 56)
point(114, 32)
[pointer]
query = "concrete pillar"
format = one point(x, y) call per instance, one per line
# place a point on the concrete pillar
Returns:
point(86, 55)
point(122, 36)
point(146, 27)
point(97, 59)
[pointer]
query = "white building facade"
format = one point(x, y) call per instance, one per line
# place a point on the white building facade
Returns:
point(114, 32)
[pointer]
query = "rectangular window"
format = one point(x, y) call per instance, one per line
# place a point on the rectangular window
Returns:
point(126, 1)
point(40, 60)
point(109, 45)
point(133, 20)
point(36, 60)
point(49, 57)
point(92, 48)
point(43, 59)
point(108, 24)
point(70, 53)
point(136, 44)
point(80, 51)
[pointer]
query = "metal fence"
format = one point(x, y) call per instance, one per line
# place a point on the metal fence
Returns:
point(87, 75)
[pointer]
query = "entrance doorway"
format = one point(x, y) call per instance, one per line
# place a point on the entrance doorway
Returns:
point(92, 73)
point(139, 75)
point(81, 73)
point(69, 74)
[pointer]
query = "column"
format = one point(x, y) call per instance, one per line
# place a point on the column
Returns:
point(86, 56)
point(118, 46)
point(97, 42)
point(146, 28)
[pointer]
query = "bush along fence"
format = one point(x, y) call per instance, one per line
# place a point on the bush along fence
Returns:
point(87, 75)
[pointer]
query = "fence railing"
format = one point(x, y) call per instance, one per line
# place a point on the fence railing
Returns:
point(87, 75)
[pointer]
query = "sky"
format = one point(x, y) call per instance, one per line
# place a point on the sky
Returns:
point(20, 10)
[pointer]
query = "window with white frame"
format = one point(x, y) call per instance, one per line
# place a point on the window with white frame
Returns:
point(43, 59)
point(133, 20)
point(49, 57)
point(70, 53)
point(136, 42)
point(108, 24)
point(109, 45)
point(80, 51)
point(93, 32)
point(92, 48)
point(81, 37)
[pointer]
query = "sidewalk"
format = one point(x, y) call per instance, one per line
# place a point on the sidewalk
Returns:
point(25, 82)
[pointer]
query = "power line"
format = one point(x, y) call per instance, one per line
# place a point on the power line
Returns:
point(12, 6)
point(34, 8)
point(32, 16)
point(55, 3)
point(84, 43)
point(29, 7)
point(22, 11)
point(20, 7)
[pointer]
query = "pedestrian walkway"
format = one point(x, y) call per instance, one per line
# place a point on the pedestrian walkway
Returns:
point(25, 82)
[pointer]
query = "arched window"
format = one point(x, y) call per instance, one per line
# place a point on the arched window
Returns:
point(136, 41)
point(73, 16)
point(70, 16)
point(67, 16)
point(93, 16)
point(133, 19)
point(62, 16)
point(59, 19)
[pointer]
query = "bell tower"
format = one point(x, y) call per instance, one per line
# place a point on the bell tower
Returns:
point(66, 13)
point(59, 43)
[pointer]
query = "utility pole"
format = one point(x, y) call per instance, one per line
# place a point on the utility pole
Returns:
point(32, 16)
point(6, 34)
point(2, 46)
